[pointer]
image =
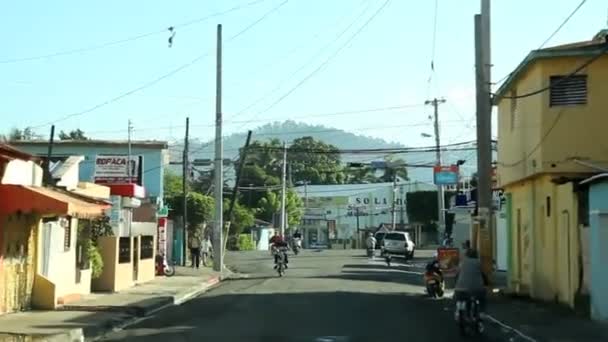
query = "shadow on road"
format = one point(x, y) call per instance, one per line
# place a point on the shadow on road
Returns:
point(299, 317)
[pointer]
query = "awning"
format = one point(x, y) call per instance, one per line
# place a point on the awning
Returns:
point(46, 201)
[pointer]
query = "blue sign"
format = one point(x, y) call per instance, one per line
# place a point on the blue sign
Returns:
point(446, 178)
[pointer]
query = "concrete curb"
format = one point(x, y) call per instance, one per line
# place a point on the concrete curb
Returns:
point(98, 332)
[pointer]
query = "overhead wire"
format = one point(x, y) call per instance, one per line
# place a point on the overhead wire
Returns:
point(303, 66)
point(560, 81)
point(162, 77)
point(128, 39)
point(562, 24)
point(325, 62)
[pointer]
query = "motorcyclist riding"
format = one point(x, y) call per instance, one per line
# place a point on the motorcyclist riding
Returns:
point(434, 267)
point(277, 243)
point(471, 280)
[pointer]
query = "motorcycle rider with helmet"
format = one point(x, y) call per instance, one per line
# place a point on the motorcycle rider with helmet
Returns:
point(277, 243)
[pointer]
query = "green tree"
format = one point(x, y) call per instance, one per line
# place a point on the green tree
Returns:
point(200, 208)
point(270, 207)
point(172, 184)
point(321, 165)
point(73, 135)
point(242, 217)
point(16, 134)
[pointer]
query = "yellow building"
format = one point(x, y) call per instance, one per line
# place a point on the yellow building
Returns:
point(551, 135)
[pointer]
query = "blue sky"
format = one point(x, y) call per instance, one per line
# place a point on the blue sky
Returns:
point(387, 64)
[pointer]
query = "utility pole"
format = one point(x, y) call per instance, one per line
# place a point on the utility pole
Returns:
point(440, 197)
point(284, 191)
point(483, 67)
point(47, 170)
point(128, 164)
point(394, 208)
point(235, 191)
point(218, 252)
point(185, 193)
point(358, 229)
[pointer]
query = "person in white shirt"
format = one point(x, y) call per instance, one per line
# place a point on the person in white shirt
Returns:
point(206, 250)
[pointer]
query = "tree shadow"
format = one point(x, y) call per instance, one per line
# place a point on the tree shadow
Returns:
point(354, 316)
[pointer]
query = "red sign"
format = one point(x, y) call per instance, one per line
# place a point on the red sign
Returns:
point(450, 168)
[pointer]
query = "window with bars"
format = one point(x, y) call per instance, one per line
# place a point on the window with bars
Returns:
point(568, 90)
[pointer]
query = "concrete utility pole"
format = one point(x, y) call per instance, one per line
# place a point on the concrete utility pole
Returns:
point(47, 170)
point(440, 197)
point(284, 192)
point(484, 134)
point(129, 129)
point(185, 193)
point(218, 246)
point(394, 208)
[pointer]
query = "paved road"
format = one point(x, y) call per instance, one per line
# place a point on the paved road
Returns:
point(325, 296)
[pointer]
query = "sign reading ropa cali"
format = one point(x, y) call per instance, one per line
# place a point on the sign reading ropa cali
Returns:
point(112, 169)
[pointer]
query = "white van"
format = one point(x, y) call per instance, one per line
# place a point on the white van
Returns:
point(399, 243)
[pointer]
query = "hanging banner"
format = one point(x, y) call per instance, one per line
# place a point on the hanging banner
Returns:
point(112, 169)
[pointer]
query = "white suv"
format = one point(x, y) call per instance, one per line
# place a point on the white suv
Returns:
point(399, 243)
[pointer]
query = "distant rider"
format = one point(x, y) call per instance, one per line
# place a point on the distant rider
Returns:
point(277, 243)
point(434, 267)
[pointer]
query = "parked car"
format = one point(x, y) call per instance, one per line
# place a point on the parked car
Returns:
point(379, 239)
point(399, 243)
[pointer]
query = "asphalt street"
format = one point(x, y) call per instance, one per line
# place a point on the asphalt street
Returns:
point(330, 295)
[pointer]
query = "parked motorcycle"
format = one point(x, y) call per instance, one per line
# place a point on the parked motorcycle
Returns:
point(435, 286)
point(163, 268)
point(469, 320)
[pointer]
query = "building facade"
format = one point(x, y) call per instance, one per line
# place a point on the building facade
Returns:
point(551, 125)
point(339, 212)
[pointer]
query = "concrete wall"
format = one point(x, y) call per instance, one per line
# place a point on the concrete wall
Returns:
point(544, 242)
point(143, 228)
point(17, 261)
point(146, 267)
point(21, 172)
point(115, 276)
point(598, 207)
point(523, 123)
point(61, 267)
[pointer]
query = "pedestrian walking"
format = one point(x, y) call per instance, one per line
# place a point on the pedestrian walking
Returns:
point(195, 249)
point(206, 250)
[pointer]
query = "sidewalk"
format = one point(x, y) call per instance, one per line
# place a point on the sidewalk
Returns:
point(97, 313)
point(539, 321)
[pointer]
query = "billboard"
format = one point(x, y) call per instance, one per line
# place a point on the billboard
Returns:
point(112, 169)
point(445, 175)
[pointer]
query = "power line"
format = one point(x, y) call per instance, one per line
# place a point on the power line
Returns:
point(560, 81)
point(129, 39)
point(163, 77)
point(562, 24)
point(548, 38)
point(303, 66)
point(326, 62)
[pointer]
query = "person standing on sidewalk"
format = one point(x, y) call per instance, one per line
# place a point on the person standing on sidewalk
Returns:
point(205, 250)
point(195, 249)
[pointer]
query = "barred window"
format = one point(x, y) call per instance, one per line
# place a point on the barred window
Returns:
point(568, 90)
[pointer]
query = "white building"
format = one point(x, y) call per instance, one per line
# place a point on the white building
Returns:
point(337, 212)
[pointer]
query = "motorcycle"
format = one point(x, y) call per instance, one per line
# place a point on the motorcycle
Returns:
point(435, 286)
point(281, 265)
point(297, 245)
point(163, 267)
point(387, 256)
point(469, 320)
